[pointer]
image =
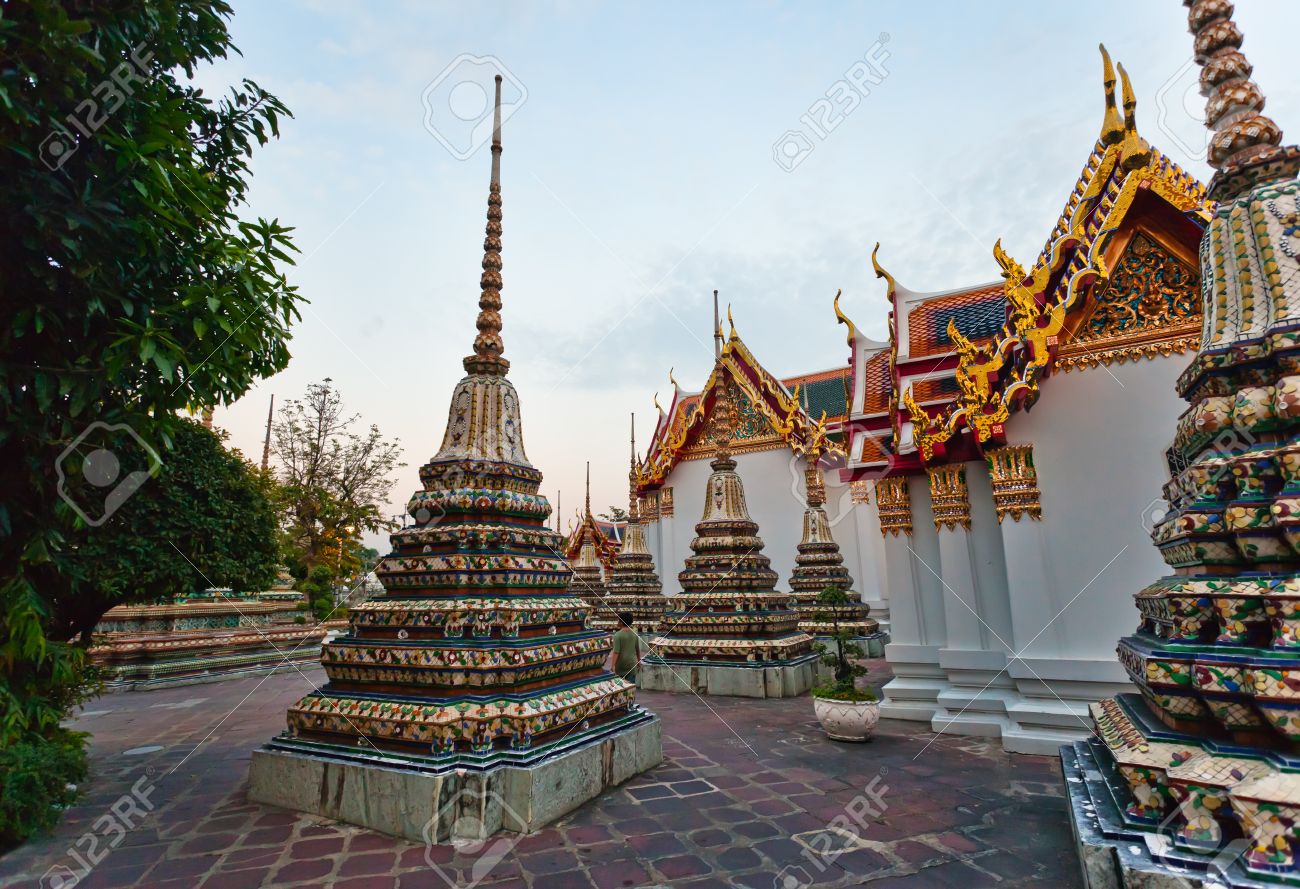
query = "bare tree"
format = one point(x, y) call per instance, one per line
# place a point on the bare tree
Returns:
point(335, 480)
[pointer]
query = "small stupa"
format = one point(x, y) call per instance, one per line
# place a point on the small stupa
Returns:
point(588, 582)
point(633, 586)
point(819, 565)
point(470, 696)
point(729, 632)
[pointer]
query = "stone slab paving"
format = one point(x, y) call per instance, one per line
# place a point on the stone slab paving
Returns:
point(746, 788)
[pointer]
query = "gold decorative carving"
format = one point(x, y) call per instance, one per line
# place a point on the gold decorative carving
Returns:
point(666, 502)
point(1150, 307)
point(949, 497)
point(860, 491)
point(771, 417)
point(1015, 482)
point(995, 379)
point(894, 506)
point(650, 507)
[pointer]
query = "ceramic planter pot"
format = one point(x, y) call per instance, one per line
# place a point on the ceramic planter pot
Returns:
point(847, 720)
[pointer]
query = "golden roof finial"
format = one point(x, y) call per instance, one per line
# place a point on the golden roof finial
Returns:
point(844, 319)
point(658, 406)
point(731, 322)
point(587, 507)
point(717, 328)
point(673, 379)
point(1112, 126)
point(488, 358)
point(881, 273)
point(1246, 146)
point(1135, 150)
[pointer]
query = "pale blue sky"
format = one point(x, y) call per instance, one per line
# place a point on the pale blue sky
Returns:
point(638, 175)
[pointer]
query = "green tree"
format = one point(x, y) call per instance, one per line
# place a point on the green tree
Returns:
point(208, 519)
point(132, 285)
point(334, 482)
point(614, 514)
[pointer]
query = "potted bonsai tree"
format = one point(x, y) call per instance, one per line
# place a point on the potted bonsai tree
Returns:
point(845, 712)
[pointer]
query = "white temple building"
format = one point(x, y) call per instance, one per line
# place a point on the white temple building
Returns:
point(1009, 561)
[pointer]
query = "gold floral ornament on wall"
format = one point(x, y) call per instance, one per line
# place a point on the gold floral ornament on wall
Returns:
point(949, 497)
point(1015, 482)
point(894, 506)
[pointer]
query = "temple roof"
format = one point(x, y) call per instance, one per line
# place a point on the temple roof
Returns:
point(798, 412)
point(1115, 282)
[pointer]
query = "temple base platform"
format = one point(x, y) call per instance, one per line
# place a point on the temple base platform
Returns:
point(740, 679)
point(426, 801)
point(1116, 854)
point(147, 678)
point(1151, 806)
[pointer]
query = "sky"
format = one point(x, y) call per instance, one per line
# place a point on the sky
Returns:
point(654, 153)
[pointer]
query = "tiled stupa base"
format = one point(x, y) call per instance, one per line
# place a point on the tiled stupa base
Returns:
point(1153, 806)
point(410, 797)
point(1114, 853)
point(741, 680)
point(138, 664)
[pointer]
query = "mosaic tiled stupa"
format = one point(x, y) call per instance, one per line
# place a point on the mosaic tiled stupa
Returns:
point(729, 632)
point(1197, 778)
point(819, 565)
point(633, 586)
point(470, 696)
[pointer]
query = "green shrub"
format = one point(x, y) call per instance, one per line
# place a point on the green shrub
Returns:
point(844, 659)
point(300, 619)
point(38, 780)
point(837, 691)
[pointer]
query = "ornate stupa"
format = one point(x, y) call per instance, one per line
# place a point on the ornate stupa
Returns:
point(588, 581)
point(633, 585)
point(729, 632)
point(1203, 765)
point(819, 565)
point(464, 695)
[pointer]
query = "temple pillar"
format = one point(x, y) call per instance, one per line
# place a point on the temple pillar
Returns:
point(918, 630)
point(869, 550)
point(975, 606)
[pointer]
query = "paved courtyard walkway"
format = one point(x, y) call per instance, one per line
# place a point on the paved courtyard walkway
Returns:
point(745, 789)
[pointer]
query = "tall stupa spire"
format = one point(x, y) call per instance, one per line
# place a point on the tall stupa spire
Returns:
point(1246, 148)
point(488, 357)
point(478, 656)
point(1205, 756)
point(633, 512)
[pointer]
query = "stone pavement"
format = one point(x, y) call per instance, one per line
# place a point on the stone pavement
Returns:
point(747, 786)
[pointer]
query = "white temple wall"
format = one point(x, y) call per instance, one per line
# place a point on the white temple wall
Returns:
point(1098, 438)
point(978, 616)
point(918, 628)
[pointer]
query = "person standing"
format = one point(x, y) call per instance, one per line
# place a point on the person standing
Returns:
point(626, 651)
